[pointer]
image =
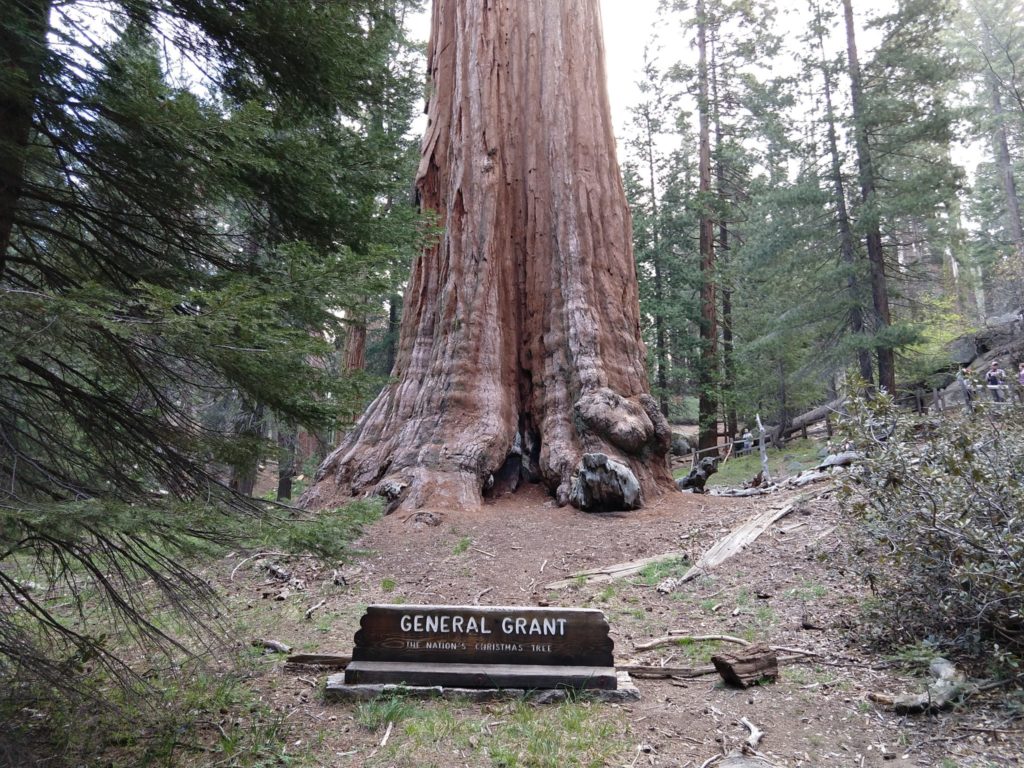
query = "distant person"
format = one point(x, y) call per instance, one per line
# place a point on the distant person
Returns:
point(994, 378)
point(748, 439)
point(1020, 383)
point(963, 378)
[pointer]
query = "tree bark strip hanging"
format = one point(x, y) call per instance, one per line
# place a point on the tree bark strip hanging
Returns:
point(520, 350)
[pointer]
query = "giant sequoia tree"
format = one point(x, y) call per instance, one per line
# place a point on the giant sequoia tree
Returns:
point(520, 355)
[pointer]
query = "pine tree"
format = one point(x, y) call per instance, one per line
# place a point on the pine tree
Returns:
point(163, 247)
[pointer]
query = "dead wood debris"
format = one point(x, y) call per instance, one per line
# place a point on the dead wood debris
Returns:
point(738, 539)
point(275, 646)
point(334, 661)
point(614, 572)
point(950, 687)
point(748, 666)
point(756, 734)
point(313, 609)
point(675, 637)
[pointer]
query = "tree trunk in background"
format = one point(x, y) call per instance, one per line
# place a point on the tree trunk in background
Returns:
point(847, 245)
point(1005, 165)
point(707, 369)
point(391, 342)
point(248, 424)
point(520, 348)
point(354, 354)
point(876, 258)
point(23, 43)
point(287, 443)
point(660, 338)
point(728, 384)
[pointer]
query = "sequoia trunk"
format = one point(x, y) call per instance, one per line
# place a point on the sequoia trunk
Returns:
point(520, 355)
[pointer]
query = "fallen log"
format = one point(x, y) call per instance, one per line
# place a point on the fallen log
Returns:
point(740, 760)
point(728, 546)
point(950, 687)
point(320, 660)
point(614, 572)
point(810, 417)
point(654, 671)
point(747, 666)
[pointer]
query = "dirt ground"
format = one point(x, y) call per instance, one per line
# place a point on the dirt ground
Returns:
point(817, 714)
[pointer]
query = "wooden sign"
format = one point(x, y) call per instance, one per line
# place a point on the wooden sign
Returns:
point(474, 646)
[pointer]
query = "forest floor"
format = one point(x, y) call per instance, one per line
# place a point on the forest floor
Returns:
point(817, 714)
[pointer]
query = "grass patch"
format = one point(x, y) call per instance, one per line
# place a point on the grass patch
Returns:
point(377, 713)
point(797, 456)
point(179, 715)
point(572, 734)
point(464, 543)
point(655, 573)
point(808, 591)
point(697, 650)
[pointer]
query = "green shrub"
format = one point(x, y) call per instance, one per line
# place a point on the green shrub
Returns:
point(327, 534)
point(939, 505)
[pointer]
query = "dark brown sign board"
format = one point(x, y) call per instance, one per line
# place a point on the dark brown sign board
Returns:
point(483, 647)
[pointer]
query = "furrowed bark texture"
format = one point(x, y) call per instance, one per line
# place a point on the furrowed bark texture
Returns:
point(520, 348)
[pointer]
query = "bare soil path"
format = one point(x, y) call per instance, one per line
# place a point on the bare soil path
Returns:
point(792, 578)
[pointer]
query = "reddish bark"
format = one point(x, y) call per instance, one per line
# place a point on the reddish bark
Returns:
point(354, 355)
point(707, 371)
point(520, 346)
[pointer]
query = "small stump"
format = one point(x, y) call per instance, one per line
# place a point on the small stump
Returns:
point(748, 666)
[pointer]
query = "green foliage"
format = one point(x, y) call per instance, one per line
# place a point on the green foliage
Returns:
point(174, 260)
point(655, 573)
point(184, 711)
point(376, 714)
point(938, 504)
point(328, 534)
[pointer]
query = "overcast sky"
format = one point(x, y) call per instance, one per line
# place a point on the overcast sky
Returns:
point(628, 26)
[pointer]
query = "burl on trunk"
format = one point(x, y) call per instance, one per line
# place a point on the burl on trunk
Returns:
point(520, 356)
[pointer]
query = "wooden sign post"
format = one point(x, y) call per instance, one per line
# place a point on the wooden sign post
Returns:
point(482, 647)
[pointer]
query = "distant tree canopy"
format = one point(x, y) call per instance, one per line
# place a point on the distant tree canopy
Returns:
point(191, 195)
point(846, 239)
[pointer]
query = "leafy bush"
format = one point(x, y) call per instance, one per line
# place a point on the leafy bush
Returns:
point(939, 503)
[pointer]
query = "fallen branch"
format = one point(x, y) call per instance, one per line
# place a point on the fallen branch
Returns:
point(735, 541)
point(320, 660)
point(674, 637)
point(315, 608)
point(615, 572)
point(756, 734)
point(950, 686)
point(476, 600)
point(653, 672)
point(272, 645)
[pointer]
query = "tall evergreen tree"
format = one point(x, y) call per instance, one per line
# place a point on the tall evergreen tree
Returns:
point(161, 248)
